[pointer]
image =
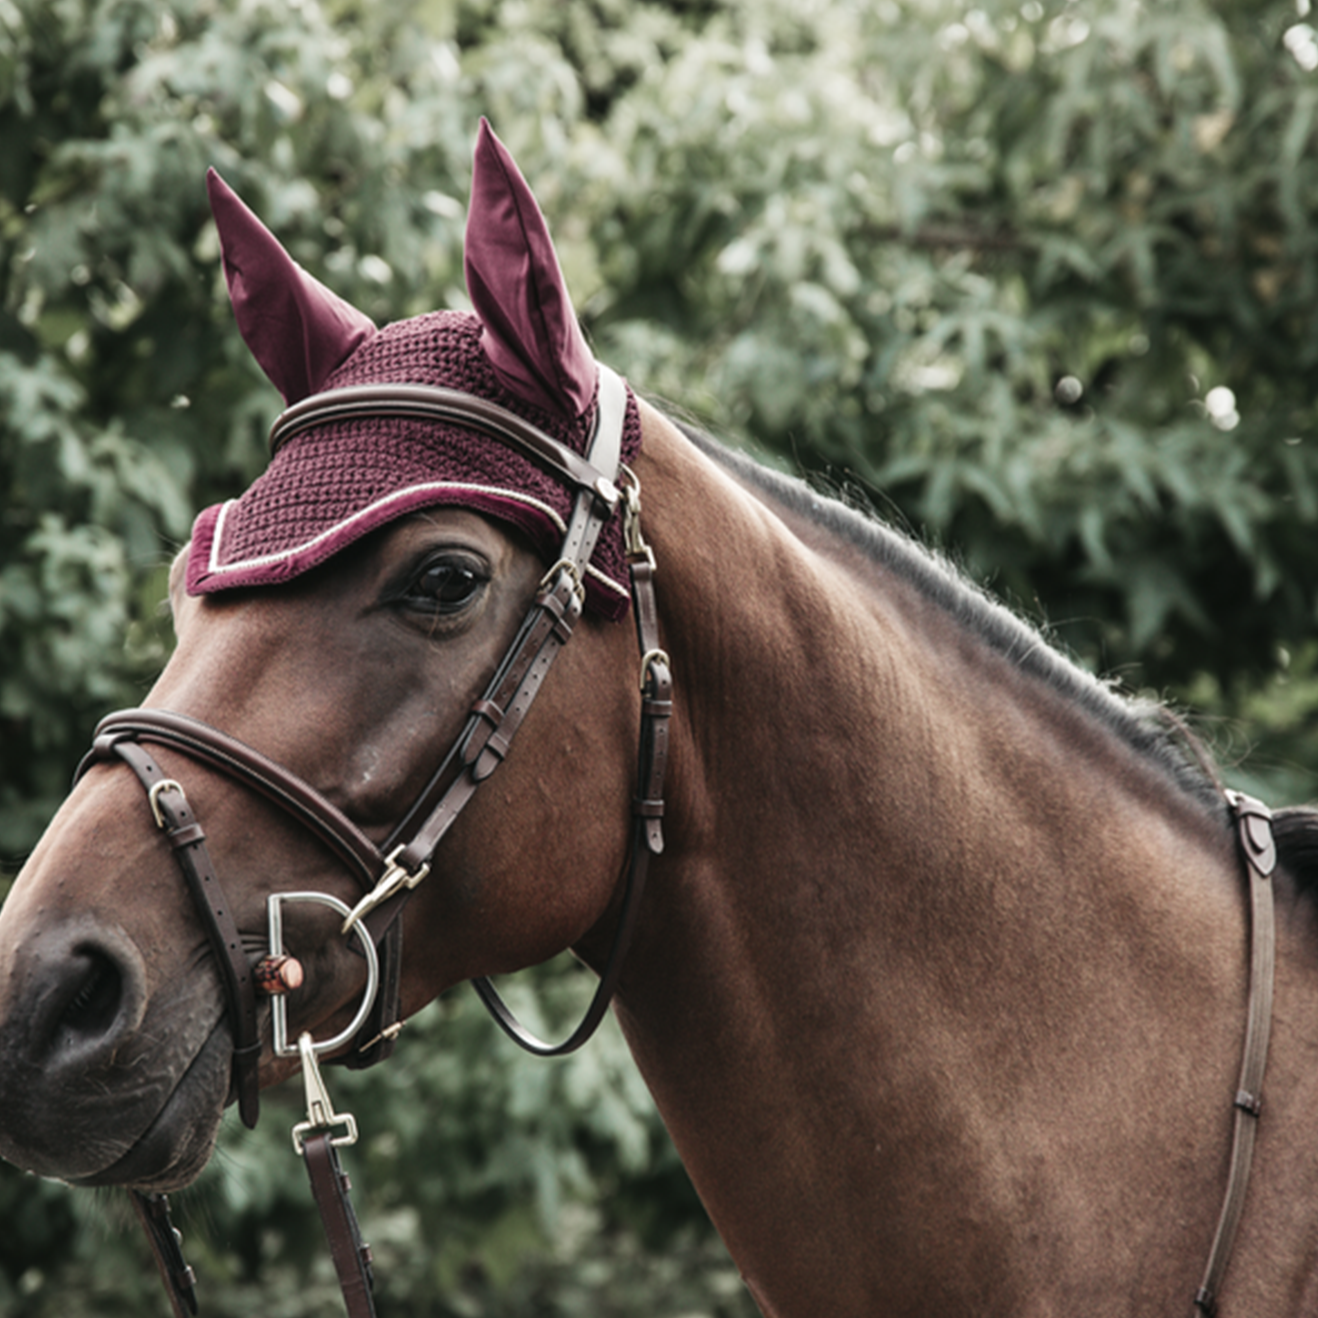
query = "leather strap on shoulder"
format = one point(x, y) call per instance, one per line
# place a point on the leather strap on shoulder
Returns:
point(1254, 833)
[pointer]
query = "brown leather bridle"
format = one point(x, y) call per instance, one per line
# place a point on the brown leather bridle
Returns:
point(388, 873)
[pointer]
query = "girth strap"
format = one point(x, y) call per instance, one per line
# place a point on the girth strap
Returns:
point(1254, 833)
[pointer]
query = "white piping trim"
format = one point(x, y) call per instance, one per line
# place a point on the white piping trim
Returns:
point(215, 568)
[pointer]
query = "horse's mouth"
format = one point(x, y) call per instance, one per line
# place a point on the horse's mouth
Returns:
point(174, 1148)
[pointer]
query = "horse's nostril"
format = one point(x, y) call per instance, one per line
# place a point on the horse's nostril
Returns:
point(97, 991)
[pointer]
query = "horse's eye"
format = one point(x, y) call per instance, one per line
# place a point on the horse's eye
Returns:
point(445, 587)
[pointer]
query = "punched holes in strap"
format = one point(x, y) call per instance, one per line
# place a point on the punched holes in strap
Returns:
point(500, 712)
point(656, 710)
point(166, 1243)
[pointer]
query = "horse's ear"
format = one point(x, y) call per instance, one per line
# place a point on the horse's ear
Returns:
point(296, 328)
point(530, 333)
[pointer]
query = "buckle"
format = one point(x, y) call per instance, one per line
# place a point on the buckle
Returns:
point(549, 582)
point(154, 795)
point(394, 879)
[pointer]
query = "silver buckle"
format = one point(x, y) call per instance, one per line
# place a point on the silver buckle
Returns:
point(637, 548)
point(394, 879)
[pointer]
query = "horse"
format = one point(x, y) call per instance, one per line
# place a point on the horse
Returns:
point(935, 952)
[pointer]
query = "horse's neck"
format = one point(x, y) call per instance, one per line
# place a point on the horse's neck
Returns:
point(911, 907)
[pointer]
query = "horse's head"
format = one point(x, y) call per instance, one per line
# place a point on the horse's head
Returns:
point(439, 509)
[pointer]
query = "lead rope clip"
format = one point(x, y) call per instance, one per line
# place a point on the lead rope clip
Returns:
point(321, 1115)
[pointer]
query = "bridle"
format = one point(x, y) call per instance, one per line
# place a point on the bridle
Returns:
point(388, 873)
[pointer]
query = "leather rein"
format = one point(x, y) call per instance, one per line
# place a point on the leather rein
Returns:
point(390, 872)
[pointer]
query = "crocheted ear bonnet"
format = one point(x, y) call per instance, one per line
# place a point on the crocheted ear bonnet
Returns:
point(328, 486)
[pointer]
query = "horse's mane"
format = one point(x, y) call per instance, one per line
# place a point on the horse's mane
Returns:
point(1148, 726)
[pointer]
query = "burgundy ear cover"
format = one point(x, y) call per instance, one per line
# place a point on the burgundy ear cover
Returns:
point(298, 331)
point(531, 335)
point(329, 486)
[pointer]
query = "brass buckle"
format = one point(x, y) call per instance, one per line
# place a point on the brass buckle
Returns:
point(154, 795)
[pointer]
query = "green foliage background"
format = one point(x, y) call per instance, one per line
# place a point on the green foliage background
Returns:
point(1037, 279)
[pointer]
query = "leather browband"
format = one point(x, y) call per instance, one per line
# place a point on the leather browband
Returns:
point(451, 406)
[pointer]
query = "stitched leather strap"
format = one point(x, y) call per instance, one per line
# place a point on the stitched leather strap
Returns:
point(1254, 834)
point(174, 816)
point(167, 1250)
point(447, 406)
point(200, 741)
point(351, 1255)
point(647, 832)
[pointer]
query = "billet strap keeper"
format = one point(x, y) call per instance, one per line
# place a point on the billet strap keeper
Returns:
point(1253, 822)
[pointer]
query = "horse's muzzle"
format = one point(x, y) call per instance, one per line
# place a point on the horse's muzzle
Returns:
point(79, 1083)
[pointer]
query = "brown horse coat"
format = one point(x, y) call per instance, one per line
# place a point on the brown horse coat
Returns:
point(939, 982)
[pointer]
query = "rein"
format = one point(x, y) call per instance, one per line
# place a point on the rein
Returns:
point(389, 873)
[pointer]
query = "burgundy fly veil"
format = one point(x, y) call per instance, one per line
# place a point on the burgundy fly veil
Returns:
point(329, 485)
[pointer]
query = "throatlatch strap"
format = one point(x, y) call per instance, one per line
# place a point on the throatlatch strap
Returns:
point(1254, 833)
point(647, 814)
